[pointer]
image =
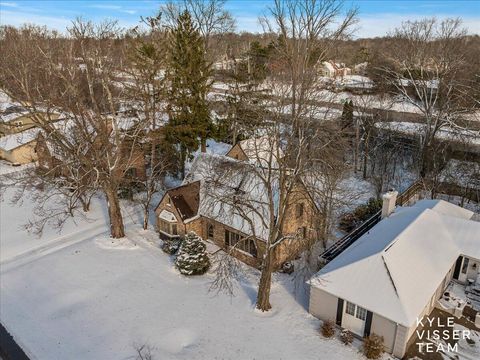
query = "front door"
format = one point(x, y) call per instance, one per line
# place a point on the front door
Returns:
point(354, 318)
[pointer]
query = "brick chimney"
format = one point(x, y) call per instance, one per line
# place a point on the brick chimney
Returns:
point(389, 200)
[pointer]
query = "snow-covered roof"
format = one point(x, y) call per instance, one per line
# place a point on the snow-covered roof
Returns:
point(221, 179)
point(392, 270)
point(12, 141)
point(262, 151)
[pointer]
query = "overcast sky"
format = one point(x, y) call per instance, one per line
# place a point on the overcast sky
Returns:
point(376, 17)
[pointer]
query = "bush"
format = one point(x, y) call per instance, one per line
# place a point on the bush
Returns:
point(192, 258)
point(373, 346)
point(171, 246)
point(346, 337)
point(328, 328)
point(362, 213)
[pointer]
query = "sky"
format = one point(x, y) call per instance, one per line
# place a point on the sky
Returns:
point(376, 17)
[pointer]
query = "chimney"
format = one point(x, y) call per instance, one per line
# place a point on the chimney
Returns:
point(389, 200)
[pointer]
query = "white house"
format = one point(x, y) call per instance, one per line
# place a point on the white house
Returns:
point(395, 273)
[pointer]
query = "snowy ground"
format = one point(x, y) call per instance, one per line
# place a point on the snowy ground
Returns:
point(78, 295)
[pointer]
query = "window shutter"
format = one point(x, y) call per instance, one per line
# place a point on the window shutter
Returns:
point(368, 324)
point(339, 311)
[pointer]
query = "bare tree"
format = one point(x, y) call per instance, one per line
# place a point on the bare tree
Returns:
point(77, 76)
point(428, 55)
point(209, 16)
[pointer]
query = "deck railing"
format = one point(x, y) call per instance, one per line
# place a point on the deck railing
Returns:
point(338, 247)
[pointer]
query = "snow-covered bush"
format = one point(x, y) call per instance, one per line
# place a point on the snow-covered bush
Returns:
point(192, 258)
point(373, 346)
point(171, 246)
point(346, 337)
point(328, 328)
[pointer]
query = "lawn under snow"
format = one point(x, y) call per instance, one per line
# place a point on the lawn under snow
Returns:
point(80, 295)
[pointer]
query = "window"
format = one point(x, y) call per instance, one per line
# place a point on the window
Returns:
point(299, 210)
point(465, 265)
point(361, 313)
point(350, 308)
point(237, 240)
point(168, 228)
point(210, 231)
point(302, 231)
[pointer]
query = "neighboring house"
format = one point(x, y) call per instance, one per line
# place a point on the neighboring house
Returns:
point(333, 69)
point(258, 151)
point(133, 163)
point(390, 277)
point(16, 118)
point(19, 148)
point(204, 204)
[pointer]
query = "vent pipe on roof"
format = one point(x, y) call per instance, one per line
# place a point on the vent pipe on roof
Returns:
point(389, 200)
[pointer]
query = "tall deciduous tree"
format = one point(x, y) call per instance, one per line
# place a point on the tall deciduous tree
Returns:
point(189, 80)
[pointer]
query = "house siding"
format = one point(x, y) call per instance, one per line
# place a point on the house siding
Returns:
point(322, 304)
point(236, 152)
point(386, 328)
point(22, 154)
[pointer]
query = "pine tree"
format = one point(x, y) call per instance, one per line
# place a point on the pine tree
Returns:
point(192, 258)
point(189, 77)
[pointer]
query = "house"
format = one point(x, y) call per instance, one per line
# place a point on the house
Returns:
point(203, 203)
point(333, 69)
point(257, 151)
point(19, 148)
point(16, 117)
point(131, 168)
point(390, 277)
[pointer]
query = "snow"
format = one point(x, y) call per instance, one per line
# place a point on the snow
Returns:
point(394, 252)
point(86, 299)
point(354, 81)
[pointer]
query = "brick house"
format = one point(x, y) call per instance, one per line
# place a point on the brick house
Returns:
point(196, 206)
point(134, 164)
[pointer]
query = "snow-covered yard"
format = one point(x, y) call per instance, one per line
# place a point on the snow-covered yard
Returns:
point(80, 295)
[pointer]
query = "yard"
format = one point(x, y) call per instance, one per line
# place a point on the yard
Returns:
point(79, 294)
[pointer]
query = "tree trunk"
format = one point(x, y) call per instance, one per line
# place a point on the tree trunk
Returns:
point(115, 214)
point(145, 218)
point(365, 158)
point(265, 284)
point(203, 148)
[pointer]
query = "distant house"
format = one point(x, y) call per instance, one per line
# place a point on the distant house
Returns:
point(132, 168)
point(19, 148)
point(16, 117)
point(390, 277)
point(333, 69)
point(257, 151)
point(199, 205)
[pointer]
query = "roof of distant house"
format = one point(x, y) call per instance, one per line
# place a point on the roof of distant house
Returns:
point(13, 141)
point(392, 270)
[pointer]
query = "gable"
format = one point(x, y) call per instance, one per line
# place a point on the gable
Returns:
point(236, 152)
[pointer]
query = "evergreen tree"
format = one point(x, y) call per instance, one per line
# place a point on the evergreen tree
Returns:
point(189, 77)
point(192, 258)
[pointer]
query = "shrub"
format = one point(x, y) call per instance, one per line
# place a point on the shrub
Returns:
point(328, 328)
point(171, 246)
point(192, 257)
point(362, 213)
point(373, 346)
point(346, 337)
